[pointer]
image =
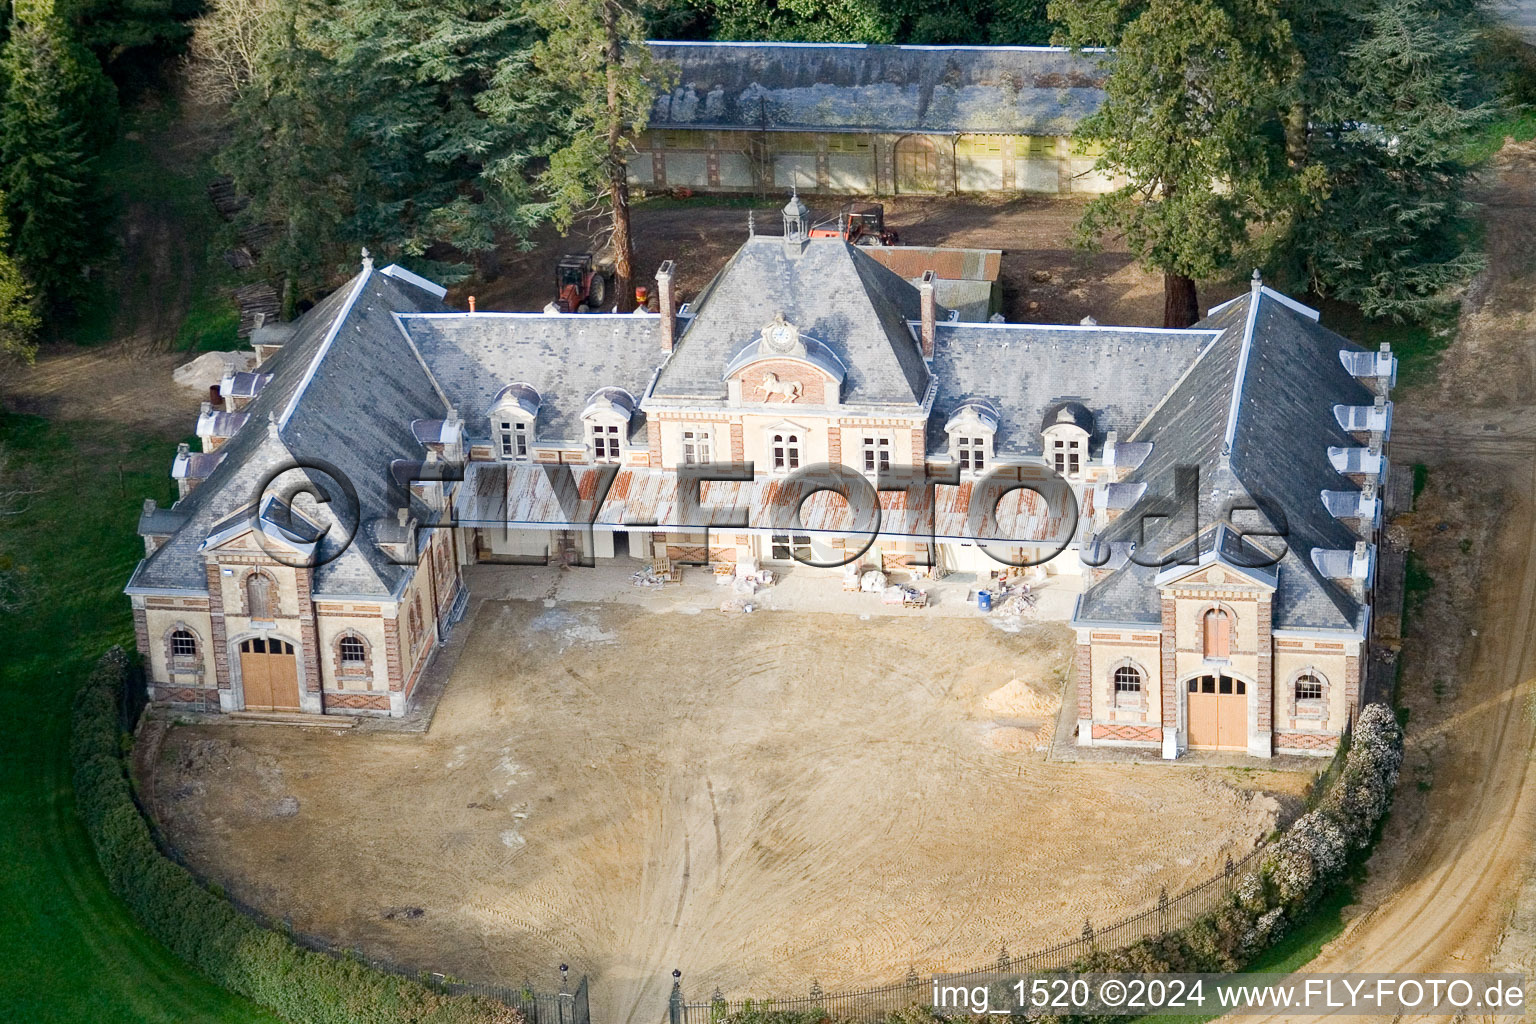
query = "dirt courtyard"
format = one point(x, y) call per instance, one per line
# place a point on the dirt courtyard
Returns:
point(839, 800)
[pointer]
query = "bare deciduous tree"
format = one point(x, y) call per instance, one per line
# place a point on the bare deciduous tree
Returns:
point(230, 44)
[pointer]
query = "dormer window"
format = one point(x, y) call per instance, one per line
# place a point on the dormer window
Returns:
point(1066, 456)
point(972, 428)
point(605, 442)
point(972, 453)
point(1064, 436)
point(513, 415)
point(607, 419)
point(513, 436)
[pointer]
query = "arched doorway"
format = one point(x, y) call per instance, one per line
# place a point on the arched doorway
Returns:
point(917, 164)
point(1218, 712)
point(269, 674)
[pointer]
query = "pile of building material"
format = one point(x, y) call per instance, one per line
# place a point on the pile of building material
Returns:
point(209, 368)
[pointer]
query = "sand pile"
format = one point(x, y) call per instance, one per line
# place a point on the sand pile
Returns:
point(210, 367)
point(1017, 699)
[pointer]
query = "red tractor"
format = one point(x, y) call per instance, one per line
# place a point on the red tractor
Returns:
point(581, 285)
point(859, 223)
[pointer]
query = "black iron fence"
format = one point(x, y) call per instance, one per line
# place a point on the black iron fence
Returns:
point(875, 1004)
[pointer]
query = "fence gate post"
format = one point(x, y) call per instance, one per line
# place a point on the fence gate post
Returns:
point(675, 1004)
point(565, 1001)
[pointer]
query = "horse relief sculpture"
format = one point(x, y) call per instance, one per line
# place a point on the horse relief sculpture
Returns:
point(771, 385)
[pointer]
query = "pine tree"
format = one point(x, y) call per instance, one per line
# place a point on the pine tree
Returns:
point(1383, 114)
point(355, 123)
point(54, 119)
point(439, 168)
point(1188, 124)
point(593, 56)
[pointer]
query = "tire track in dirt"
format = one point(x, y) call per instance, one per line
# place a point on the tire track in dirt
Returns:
point(1448, 892)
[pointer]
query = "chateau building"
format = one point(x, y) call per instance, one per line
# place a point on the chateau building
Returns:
point(1215, 489)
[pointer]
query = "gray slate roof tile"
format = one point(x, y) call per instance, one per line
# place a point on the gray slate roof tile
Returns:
point(858, 87)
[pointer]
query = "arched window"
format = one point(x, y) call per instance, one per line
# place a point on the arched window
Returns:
point(1308, 687)
point(260, 596)
point(183, 644)
point(414, 623)
point(1128, 686)
point(786, 452)
point(1218, 634)
point(353, 653)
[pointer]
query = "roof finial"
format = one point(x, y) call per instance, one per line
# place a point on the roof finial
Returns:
point(367, 259)
point(1258, 280)
point(272, 427)
point(751, 224)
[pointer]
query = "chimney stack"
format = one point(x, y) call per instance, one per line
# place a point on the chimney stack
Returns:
point(930, 312)
point(666, 306)
point(471, 303)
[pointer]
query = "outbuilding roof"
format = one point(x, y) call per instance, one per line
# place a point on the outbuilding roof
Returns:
point(1016, 90)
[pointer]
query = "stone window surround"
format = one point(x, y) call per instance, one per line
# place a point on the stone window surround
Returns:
point(1232, 620)
point(1116, 701)
point(1311, 710)
point(353, 677)
point(245, 595)
point(1074, 441)
point(179, 665)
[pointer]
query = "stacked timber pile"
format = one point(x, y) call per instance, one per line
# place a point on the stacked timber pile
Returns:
point(259, 306)
point(221, 192)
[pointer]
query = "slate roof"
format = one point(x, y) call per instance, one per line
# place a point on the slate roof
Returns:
point(343, 391)
point(566, 356)
point(858, 87)
point(1119, 373)
point(1276, 393)
point(832, 292)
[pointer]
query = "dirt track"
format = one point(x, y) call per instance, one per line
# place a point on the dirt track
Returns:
point(1044, 278)
point(839, 800)
point(1447, 875)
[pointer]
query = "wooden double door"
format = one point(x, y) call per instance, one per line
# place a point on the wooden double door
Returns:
point(269, 672)
point(1218, 712)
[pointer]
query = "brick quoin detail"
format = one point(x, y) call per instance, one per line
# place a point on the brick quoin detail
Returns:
point(1084, 681)
point(1169, 680)
point(141, 631)
point(1128, 733)
point(918, 453)
point(218, 637)
point(1351, 686)
point(392, 652)
point(1266, 680)
point(834, 444)
point(653, 437)
point(738, 443)
point(309, 636)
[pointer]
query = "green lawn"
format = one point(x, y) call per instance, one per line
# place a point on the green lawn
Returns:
point(72, 953)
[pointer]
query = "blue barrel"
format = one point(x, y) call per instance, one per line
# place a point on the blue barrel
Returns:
point(984, 600)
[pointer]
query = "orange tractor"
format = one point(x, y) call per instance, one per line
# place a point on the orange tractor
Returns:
point(858, 223)
point(581, 283)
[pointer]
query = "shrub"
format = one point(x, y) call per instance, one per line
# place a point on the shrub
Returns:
point(205, 930)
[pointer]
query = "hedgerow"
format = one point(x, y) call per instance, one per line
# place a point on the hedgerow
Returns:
point(300, 985)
